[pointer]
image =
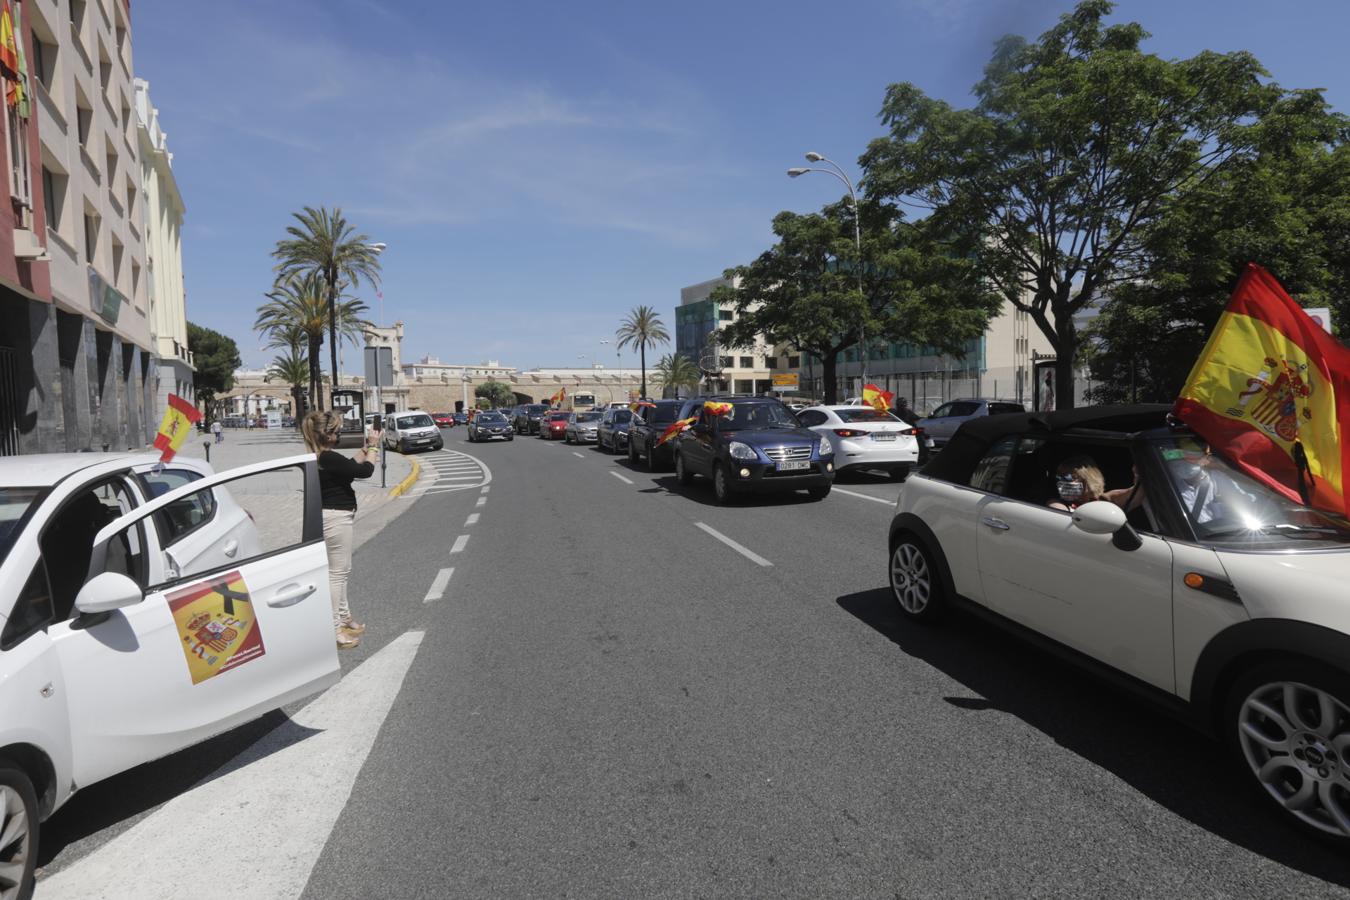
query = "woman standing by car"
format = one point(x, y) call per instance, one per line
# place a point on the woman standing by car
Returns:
point(336, 474)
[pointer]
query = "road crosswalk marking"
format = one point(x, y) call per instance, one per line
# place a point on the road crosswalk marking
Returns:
point(447, 470)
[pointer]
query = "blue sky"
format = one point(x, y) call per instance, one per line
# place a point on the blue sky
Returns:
point(539, 168)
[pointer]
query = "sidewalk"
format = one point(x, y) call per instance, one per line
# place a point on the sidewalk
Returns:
point(375, 507)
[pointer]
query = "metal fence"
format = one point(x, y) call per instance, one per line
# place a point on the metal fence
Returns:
point(9, 404)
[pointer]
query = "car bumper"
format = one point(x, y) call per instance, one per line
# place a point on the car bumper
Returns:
point(763, 478)
point(492, 435)
point(585, 437)
point(859, 455)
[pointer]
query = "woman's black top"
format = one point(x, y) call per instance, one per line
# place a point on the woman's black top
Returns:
point(336, 474)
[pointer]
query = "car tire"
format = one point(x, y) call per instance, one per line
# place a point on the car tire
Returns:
point(722, 492)
point(899, 474)
point(402, 447)
point(1268, 726)
point(818, 493)
point(632, 454)
point(510, 437)
point(682, 475)
point(915, 580)
point(19, 825)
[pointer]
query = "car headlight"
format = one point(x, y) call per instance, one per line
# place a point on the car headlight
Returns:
point(826, 448)
point(741, 451)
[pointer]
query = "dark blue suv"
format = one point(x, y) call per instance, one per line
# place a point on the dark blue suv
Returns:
point(758, 447)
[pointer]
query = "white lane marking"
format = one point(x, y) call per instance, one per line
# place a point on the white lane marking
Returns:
point(277, 801)
point(460, 543)
point(481, 501)
point(748, 554)
point(578, 455)
point(471, 520)
point(621, 478)
point(865, 496)
point(485, 489)
point(438, 585)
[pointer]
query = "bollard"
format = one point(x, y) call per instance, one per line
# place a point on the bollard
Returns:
point(206, 445)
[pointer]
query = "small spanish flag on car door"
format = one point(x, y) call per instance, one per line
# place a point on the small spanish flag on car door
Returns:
point(175, 426)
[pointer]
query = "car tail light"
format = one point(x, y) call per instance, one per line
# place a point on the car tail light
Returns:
point(849, 432)
point(913, 431)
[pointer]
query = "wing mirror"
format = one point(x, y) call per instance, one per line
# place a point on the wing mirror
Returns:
point(106, 592)
point(1105, 517)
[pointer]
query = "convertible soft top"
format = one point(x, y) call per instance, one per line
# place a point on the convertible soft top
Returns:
point(972, 439)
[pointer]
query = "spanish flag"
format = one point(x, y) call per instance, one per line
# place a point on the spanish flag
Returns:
point(640, 404)
point(716, 408)
point(1271, 391)
point(558, 398)
point(675, 429)
point(175, 426)
point(876, 398)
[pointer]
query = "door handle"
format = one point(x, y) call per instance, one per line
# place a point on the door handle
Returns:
point(997, 524)
point(231, 548)
point(290, 595)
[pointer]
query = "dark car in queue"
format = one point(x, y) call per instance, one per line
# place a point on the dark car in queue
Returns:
point(460, 418)
point(756, 447)
point(554, 425)
point(584, 428)
point(490, 426)
point(612, 434)
point(528, 417)
point(646, 428)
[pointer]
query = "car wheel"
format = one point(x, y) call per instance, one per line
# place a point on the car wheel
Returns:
point(818, 493)
point(682, 475)
point(899, 474)
point(1289, 723)
point(914, 580)
point(632, 453)
point(722, 492)
point(402, 447)
point(18, 831)
point(510, 437)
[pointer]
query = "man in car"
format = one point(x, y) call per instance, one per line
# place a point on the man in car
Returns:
point(1206, 493)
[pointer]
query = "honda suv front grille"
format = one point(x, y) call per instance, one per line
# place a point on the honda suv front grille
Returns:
point(779, 454)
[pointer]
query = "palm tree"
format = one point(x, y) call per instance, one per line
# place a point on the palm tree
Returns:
point(297, 306)
point(642, 329)
point(675, 370)
point(324, 244)
point(292, 367)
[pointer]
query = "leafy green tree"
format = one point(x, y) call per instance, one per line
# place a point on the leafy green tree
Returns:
point(804, 290)
point(498, 394)
point(675, 370)
point(298, 305)
point(642, 329)
point(1074, 148)
point(324, 245)
point(216, 358)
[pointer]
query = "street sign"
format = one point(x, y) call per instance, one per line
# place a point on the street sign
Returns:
point(783, 383)
point(379, 367)
point(1321, 315)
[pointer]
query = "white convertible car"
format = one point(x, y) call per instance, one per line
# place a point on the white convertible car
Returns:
point(144, 609)
point(1219, 597)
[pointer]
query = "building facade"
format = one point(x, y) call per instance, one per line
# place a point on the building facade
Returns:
point(699, 321)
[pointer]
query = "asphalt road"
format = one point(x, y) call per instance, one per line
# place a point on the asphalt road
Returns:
point(609, 700)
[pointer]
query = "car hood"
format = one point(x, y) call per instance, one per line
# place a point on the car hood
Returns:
point(1300, 585)
point(771, 437)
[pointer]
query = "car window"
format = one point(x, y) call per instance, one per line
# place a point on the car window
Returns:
point(998, 409)
point(67, 542)
point(32, 610)
point(991, 472)
point(421, 421)
point(864, 414)
point(942, 411)
point(664, 414)
point(811, 417)
point(17, 504)
point(182, 516)
point(491, 419)
point(754, 416)
point(963, 408)
point(622, 415)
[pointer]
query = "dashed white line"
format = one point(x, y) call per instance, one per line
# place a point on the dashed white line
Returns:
point(471, 520)
point(578, 455)
point(865, 496)
point(486, 488)
point(439, 585)
point(621, 478)
point(743, 551)
point(460, 543)
point(481, 500)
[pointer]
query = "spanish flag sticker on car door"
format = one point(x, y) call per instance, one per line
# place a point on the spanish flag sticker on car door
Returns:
point(216, 623)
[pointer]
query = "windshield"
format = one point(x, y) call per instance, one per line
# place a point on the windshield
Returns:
point(664, 414)
point(621, 416)
point(864, 414)
point(16, 504)
point(491, 419)
point(752, 416)
point(589, 417)
point(558, 417)
point(1226, 506)
point(537, 410)
point(423, 421)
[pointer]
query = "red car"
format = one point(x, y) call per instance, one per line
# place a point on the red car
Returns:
point(443, 420)
point(554, 425)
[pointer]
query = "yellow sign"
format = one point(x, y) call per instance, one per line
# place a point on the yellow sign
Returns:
point(787, 381)
point(216, 623)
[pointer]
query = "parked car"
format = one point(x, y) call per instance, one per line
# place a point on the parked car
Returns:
point(528, 417)
point(759, 446)
point(410, 431)
point(104, 610)
point(554, 425)
point(942, 424)
point(1215, 595)
point(583, 429)
point(646, 428)
point(612, 433)
point(287, 421)
point(865, 438)
point(490, 426)
point(443, 419)
point(459, 418)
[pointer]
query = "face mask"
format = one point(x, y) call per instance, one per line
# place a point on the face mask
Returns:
point(1191, 473)
point(1070, 489)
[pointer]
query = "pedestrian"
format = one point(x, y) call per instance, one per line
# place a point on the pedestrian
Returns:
point(336, 473)
point(903, 412)
point(218, 431)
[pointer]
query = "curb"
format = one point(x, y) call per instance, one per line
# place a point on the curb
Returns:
point(402, 487)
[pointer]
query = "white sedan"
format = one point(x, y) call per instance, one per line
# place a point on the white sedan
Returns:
point(143, 610)
point(865, 438)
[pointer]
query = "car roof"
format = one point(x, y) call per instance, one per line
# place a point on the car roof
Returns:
point(968, 445)
point(47, 469)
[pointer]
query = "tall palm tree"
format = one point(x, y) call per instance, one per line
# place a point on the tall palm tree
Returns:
point(292, 367)
point(324, 244)
point(675, 370)
point(642, 329)
point(297, 306)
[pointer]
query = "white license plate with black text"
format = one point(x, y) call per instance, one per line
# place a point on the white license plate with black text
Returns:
point(883, 435)
point(793, 465)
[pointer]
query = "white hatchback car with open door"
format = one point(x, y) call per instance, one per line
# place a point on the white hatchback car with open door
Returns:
point(115, 650)
point(1218, 597)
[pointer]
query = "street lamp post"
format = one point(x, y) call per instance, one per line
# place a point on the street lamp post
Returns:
point(839, 173)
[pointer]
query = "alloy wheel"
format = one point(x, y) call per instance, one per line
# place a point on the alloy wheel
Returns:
point(16, 843)
point(1296, 740)
point(911, 579)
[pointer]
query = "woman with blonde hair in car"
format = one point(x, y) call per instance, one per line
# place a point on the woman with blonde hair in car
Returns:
point(336, 474)
point(1078, 481)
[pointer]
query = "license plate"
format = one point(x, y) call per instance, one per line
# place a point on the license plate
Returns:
point(883, 435)
point(793, 465)
point(928, 442)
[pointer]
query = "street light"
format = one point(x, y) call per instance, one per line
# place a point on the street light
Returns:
point(839, 173)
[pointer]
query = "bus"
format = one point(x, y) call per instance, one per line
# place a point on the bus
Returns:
point(581, 401)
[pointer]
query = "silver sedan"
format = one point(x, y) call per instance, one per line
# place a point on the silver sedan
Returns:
point(583, 428)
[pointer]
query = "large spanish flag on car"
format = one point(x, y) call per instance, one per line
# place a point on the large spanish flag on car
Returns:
point(674, 430)
point(175, 426)
point(876, 398)
point(1271, 391)
point(558, 398)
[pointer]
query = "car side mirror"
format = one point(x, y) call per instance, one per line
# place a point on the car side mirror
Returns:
point(106, 592)
point(1099, 517)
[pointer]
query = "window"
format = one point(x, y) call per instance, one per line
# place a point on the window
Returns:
point(991, 472)
point(747, 362)
point(31, 611)
point(726, 362)
point(725, 315)
point(117, 253)
point(811, 417)
point(77, 14)
point(770, 362)
point(794, 362)
point(51, 199)
point(90, 238)
point(184, 516)
point(998, 409)
point(67, 543)
point(44, 61)
point(84, 116)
